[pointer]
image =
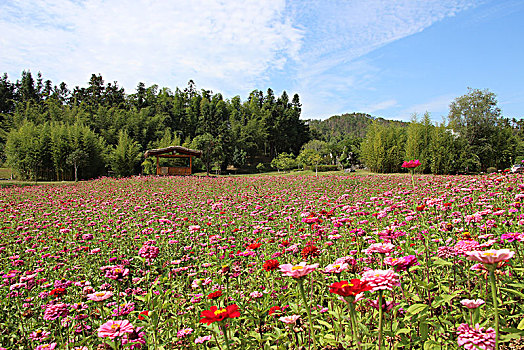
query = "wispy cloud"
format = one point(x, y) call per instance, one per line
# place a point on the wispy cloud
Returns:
point(437, 107)
point(339, 35)
point(312, 47)
point(223, 45)
point(379, 106)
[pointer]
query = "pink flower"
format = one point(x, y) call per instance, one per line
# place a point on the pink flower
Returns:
point(201, 340)
point(100, 296)
point(52, 312)
point(46, 346)
point(476, 338)
point(112, 329)
point(472, 304)
point(492, 256)
point(297, 271)
point(289, 319)
point(336, 268)
point(380, 248)
point(381, 279)
point(184, 332)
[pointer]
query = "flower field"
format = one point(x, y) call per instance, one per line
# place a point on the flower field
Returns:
point(334, 262)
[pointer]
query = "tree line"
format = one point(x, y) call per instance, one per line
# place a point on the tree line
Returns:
point(474, 137)
point(51, 132)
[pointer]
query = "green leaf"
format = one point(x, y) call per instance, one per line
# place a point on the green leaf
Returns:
point(513, 292)
point(403, 331)
point(417, 308)
point(441, 262)
point(432, 345)
point(521, 324)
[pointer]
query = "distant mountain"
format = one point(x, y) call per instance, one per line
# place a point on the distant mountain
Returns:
point(353, 125)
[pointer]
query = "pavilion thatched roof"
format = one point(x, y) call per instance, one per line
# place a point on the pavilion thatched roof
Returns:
point(173, 149)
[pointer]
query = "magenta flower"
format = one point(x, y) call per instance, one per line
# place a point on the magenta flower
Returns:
point(401, 264)
point(411, 164)
point(297, 271)
point(46, 346)
point(472, 304)
point(476, 338)
point(381, 279)
point(492, 256)
point(381, 248)
point(54, 311)
point(113, 329)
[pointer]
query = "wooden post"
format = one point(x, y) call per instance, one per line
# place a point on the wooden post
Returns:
point(157, 166)
point(190, 165)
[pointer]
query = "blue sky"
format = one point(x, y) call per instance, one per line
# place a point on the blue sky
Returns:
point(384, 57)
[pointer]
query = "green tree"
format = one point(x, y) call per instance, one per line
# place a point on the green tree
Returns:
point(211, 150)
point(76, 159)
point(125, 155)
point(474, 117)
point(284, 161)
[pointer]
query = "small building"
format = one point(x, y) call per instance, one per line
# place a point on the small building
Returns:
point(174, 152)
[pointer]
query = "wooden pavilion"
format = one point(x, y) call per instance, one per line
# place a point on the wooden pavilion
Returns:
point(173, 152)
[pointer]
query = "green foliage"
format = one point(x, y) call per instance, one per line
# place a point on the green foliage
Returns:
point(211, 150)
point(477, 119)
point(383, 148)
point(260, 127)
point(125, 156)
point(284, 161)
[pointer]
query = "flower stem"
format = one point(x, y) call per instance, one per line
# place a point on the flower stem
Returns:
point(354, 323)
point(301, 287)
point(226, 339)
point(380, 319)
point(495, 303)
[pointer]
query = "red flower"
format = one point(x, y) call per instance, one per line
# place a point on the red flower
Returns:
point(421, 207)
point(58, 292)
point(270, 265)
point(215, 295)
point(351, 288)
point(214, 314)
point(275, 310)
point(254, 246)
point(310, 251)
point(142, 314)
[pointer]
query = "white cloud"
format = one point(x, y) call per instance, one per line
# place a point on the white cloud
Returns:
point(312, 47)
point(379, 106)
point(222, 45)
point(339, 35)
point(437, 107)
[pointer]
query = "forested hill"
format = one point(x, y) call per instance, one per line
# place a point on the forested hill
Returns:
point(353, 125)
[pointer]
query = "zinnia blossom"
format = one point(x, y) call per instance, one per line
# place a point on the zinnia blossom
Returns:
point(381, 279)
point(476, 338)
point(270, 265)
point(113, 329)
point(297, 271)
point(336, 268)
point(46, 346)
point(402, 263)
point(214, 314)
point(349, 288)
point(493, 256)
point(472, 304)
point(100, 296)
point(289, 319)
point(411, 164)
